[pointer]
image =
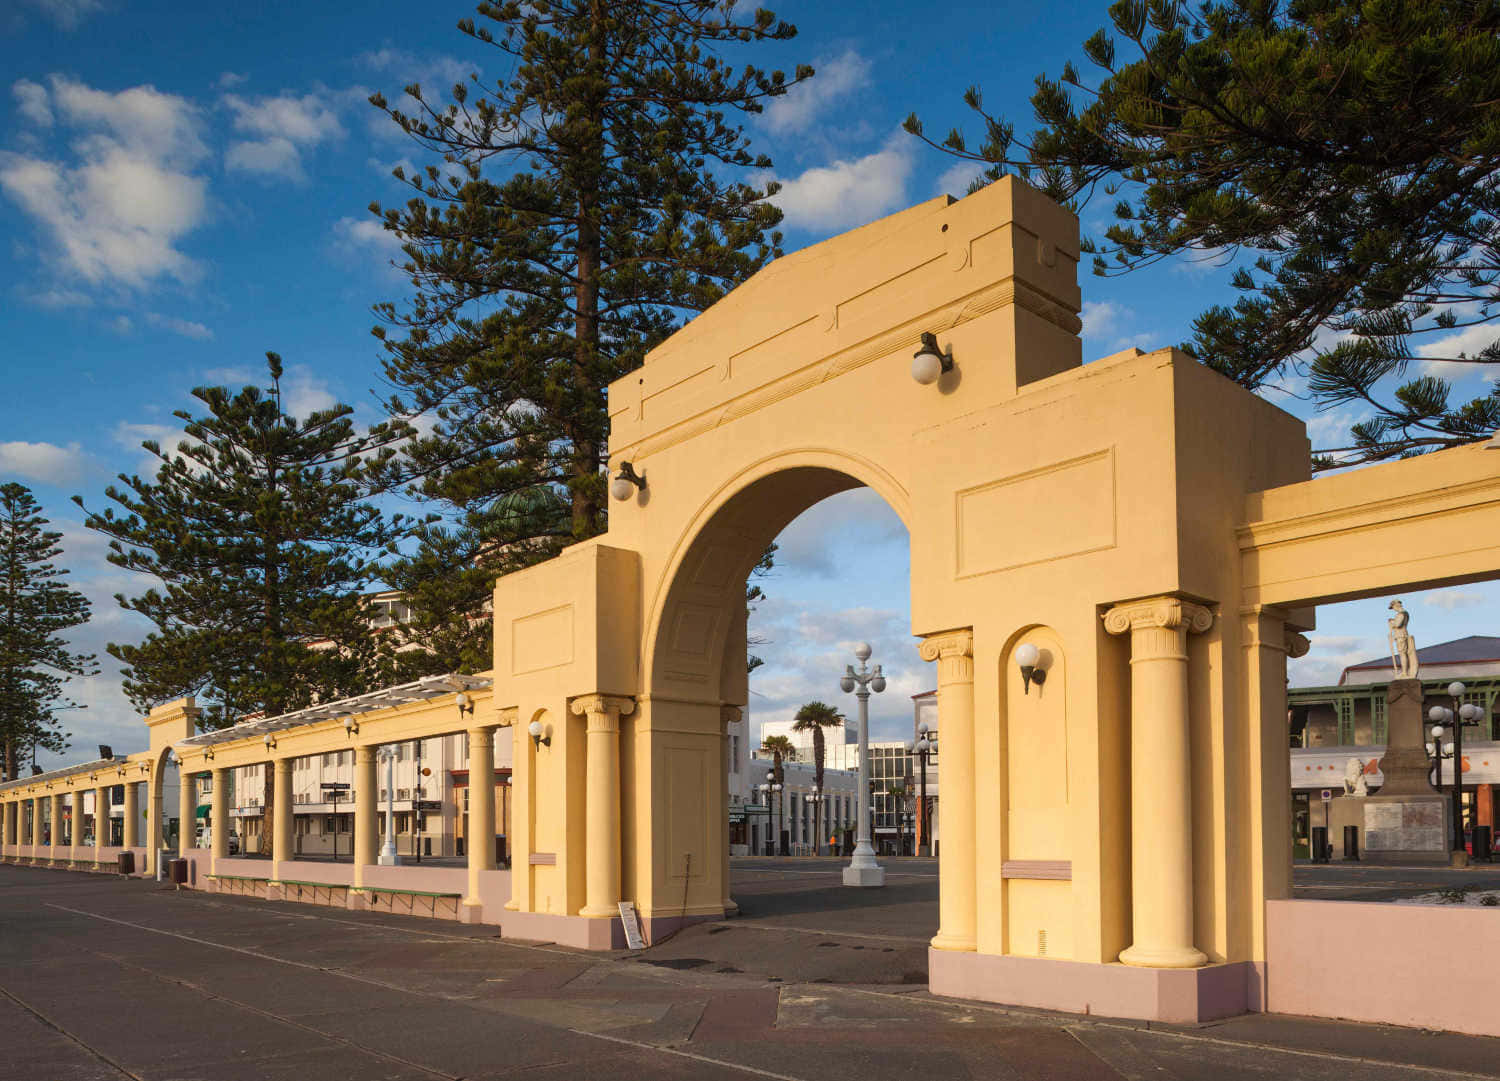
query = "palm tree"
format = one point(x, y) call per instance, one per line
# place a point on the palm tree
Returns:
point(814, 717)
point(780, 749)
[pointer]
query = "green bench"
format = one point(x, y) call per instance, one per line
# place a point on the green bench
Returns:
point(433, 897)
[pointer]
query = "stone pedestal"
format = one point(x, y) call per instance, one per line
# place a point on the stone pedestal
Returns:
point(1408, 821)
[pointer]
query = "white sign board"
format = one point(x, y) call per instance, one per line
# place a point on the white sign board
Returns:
point(632, 926)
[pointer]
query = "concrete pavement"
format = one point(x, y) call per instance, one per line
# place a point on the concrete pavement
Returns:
point(106, 978)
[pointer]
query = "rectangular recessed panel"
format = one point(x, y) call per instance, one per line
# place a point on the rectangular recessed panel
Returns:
point(686, 772)
point(693, 629)
point(1062, 509)
point(543, 640)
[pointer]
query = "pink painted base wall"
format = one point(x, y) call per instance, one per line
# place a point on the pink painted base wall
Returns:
point(1376, 961)
point(1182, 995)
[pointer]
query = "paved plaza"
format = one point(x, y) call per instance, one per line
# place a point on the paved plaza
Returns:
point(105, 978)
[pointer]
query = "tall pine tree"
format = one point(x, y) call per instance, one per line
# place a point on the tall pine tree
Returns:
point(1347, 154)
point(36, 610)
point(576, 211)
point(259, 547)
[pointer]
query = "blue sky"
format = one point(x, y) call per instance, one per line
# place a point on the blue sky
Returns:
point(184, 186)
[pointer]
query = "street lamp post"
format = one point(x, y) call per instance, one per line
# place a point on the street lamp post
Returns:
point(921, 749)
point(862, 869)
point(388, 854)
point(772, 789)
point(818, 798)
point(1463, 713)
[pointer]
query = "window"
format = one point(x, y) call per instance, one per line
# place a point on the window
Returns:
point(328, 760)
point(403, 793)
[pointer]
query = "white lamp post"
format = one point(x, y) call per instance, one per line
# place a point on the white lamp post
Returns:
point(388, 855)
point(862, 869)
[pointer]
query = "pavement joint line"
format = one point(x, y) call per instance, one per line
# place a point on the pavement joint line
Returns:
point(1126, 1025)
point(756, 1070)
point(746, 922)
point(413, 991)
point(248, 1008)
point(55, 1027)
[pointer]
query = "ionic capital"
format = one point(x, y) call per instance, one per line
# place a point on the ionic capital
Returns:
point(507, 716)
point(954, 652)
point(283, 766)
point(482, 736)
point(1158, 613)
point(731, 715)
point(602, 710)
point(1297, 644)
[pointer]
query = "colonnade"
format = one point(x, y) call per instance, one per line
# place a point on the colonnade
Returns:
point(37, 823)
point(367, 812)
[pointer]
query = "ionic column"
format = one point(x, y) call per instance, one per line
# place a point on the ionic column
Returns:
point(219, 816)
point(728, 715)
point(132, 836)
point(1161, 792)
point(101, 820)
point(281, 813)
point(36, 826)
point(602, 802)
point(957, 897)
point(481, 826)
point(366, 809)
point(187, 810)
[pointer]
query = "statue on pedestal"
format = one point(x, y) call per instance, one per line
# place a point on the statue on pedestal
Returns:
point(1354, 778)
point(1403, 645)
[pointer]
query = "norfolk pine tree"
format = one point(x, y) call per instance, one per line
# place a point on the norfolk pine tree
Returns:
point(576, 211)
point(258, 546)
point(36, 609)
point(1347, 157)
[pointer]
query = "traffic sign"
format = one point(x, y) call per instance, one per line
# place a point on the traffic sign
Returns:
point(426, 805)
point(335, 786)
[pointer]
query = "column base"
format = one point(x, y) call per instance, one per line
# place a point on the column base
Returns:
point(599, 912)
point(1178, 996)
point(1163, 957)
point(952, 943)
point(864, 876)
point(471, 912)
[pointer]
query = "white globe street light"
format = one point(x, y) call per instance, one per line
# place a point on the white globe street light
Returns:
point(388, 855)
point(862, 869)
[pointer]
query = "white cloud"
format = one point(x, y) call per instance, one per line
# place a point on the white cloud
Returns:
point(955, 179)
point(303, 393)
point(1102, 318)
point(31, 102)
point(124, 195)
point(432, 72)
point(121, 324)
point(282, 127)
point(229, 80)
point(67, 14)
point(806, 102)
point(1331, 429)
point(46, 463)
point(356, 240)
point(1469, 341)
point(829, 198)
point(267, 157)
point(231, 377)
point(1449, 599)
point(196, 331)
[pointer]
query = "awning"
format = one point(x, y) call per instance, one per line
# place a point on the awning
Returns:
point(204, 809)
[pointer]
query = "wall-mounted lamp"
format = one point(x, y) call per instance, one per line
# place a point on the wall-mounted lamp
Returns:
point(1032, 668)
point(351, 727)
point(537, 739)
point(626, 483)
point(930, 362)
point(464, 702)
point(270, 742)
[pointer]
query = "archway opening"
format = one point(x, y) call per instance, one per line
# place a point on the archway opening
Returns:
point(780, 585)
